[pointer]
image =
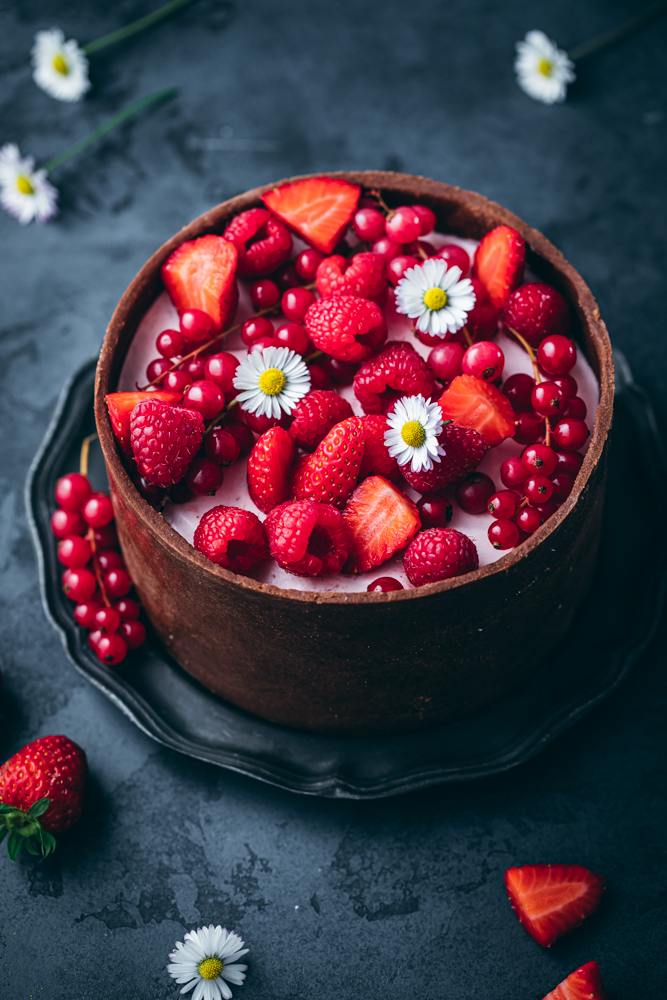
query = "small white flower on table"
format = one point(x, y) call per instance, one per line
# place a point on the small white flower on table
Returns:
point(272, 380)
point(60, 68)
point(205, 959)
point(25, 192)
point(543, 70)
point(412, 435)
point(434, 295)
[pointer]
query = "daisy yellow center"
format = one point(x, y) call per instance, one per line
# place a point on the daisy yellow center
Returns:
point(60, 66)
point(272, 381)
point(413, 434)
point(210, 968)
point(545, 67)
point(435, 298)
point(24, 185)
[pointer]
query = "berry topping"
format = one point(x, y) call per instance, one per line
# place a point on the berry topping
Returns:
point(295, 303)
point(499, 263)
point(557, 354)
point(547, 399)
point(320, 377)
point(427, 218)
point(484, 359)
point(133, 634)
point(200, 275)
point(518, 389)
point(567, 385)
point(471, 402)
point(384, 585)
point(170, 343)
point(439, 554)
point(293, 336)
point(539, 458)
point(262, 241)
point(205, 397)
point(255, 329)
point(242, 435)
point(307, 262)
point(196, 326)
point(318, 208)
point(536, 311)
point(79, 584)
point(221, 445)
point(204, 476)
point(513, 473)
point(445, 361)
point(528, 520)
point(503, 534)
point(435, 510)
point(157, 369)
point(232, 538)
point(387, 249)
point(474, 493)
point(377, 461)
point(529, 427)
point(464, 449)
point(503, 505)
point(221, 369)
point(98, 510)
point(67, 522)
point(348, 328)
point(575, 407)
point(308, 538)
point(164, 439)
point(551, 900)
point(570, 433)
point(538, 489)
point(286, 277)
point(74, 551)
point(582, 984)
point(566, 461)
point(563, 483)
point(315, 415)
point(455, 257)
point(269, 468)
point(395, 372)
point(404, 225)
point(330, 474)
point(72, 491)
point(362, 276)
point(264, 294)
point(397, 267)
point(368, 224)
point(382, 521)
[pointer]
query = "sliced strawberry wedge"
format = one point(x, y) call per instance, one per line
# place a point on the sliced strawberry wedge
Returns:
point(200, 275)
point(120, 406)
point(472, 402)
point(584, 983)
point(551, 900)
point(382, 520)
point(317, 208)
point(499, 263)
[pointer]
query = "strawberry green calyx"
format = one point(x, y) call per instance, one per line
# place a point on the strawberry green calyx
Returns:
point(24, 829)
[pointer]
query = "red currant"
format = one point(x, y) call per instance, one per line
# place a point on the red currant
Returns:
point(427, 217)
point(445, 361)
point(397, 267)
point(319, 377)
point(530, 426)
point(221, 446)
point(67, 522)
point(569, 461)
point(503, 505)
point(157, 369)
point(547, 399)
point(205, 397)
point(529, 520)
point(117, 582)
point(430, 339)
point(421, 250)
point(538, 489)
point(286, 277)
point(176, 381)
point(503, 534)
point(264, 294)
point(567, 385)
point(242, 435)
point(563, 483)
point(384, 585)
point(79, 584)
point(111, 649)
point(513, 473)
point(221, 369)
point(545, 510)
point(295, 303)
point(194, 368)
point(570, 433)
point(404, 225)
point(109, 559)
point(107, 619)
point(539, 458)
point(204, 476)
point(72, 491)
point(482, 322)
point(293, 335)
point(386, 248)
point(196, 326)
point(262, 343)
point(127, 608)
point(308, 261)
point(557, 354)
point(150, 492)
point(483, 360)
point(255, 328)
point(170, 343)
point(105, 537)
point(575, 407)
point(341, 372)
point(133, 632)
point(368, 224)
point(435, 510)
point(455, 257)
point(84, 613)
point(93, 639)
point(98, 510)
point(473, 494)
point(260, 423)
point(518, 389)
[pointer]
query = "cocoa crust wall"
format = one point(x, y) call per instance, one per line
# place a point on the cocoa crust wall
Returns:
point(366, 663)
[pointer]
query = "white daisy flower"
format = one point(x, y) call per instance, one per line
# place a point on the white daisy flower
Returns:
point(272, 380)
point(60, 68)
point(205, 959)
point(413, 432)
point(25, 192)
point(434, 296)
point(543, 70)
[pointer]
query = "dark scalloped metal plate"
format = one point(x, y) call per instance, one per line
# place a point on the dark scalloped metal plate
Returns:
point(615, 625)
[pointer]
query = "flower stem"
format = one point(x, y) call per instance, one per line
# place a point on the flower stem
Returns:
point(634, 24)
point(122, 116)
point(135, 26)
point(85, 452)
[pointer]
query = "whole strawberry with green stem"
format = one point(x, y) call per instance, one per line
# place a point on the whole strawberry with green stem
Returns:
point(41, 793)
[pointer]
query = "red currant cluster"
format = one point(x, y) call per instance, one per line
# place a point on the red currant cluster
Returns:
point(95, 577)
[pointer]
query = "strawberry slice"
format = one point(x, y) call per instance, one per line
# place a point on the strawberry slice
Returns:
point(584, 983)
point(200, 275)
point(317, 208)
point(499, 263)
point(472, 402)
point(382, 520)
point(269, 465)
point(551, 900)
point(120, 406)
point(330, 474)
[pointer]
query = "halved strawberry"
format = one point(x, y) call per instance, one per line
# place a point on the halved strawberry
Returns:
point(551, 900)
point(330, 474)
point(584, 983)
point(499, 263)
point(382, 520)
point(472, 402)
point(317, 208)
point(269, 465)
point(200, 275)
point(120, 406)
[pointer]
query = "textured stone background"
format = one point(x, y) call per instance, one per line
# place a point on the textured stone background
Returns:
point(402, 897)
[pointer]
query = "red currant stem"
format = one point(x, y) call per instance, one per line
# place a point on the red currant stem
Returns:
point(524, 503)
point(311, 357)
point(530, 351)
point(547, 433)
point(466, 334)
point(382, 203)
point(85, 451)
point(220, 416)
point(422, 253)
point(96, 567)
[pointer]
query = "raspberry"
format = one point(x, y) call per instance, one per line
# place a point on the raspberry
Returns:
point(272, 245)
point(347, 328)
point(364, 276)
point(439, 554)
point(536, 311)
point(377, 461)
point(308, 538)
point(330, 474)
point(269, 469)
point(464, 450)
point(164, 440)
point(315, 415)
point(233, 538)
point(395, 372)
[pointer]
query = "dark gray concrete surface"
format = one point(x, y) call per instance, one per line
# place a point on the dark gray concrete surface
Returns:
point(402, 897)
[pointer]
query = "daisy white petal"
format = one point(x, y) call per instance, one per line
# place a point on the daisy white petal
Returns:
point(60, 68)
point(25, 192)
point(272, 381)
point(435, 297)
point(204, 960)
point(543, 70)
point(412, 433)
